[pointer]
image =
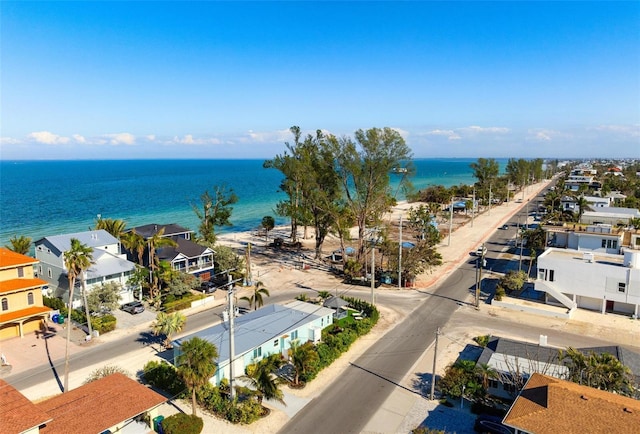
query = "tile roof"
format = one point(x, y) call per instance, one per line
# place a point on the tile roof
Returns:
point(17, 413)
point(23, 313)
point(548, 405)
point(11, 259)
point(21, 283)
point(99, 405)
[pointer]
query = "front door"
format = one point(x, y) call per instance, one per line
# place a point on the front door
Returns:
point(609, 306)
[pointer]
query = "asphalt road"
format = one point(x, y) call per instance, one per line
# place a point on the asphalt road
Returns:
point(353, 398)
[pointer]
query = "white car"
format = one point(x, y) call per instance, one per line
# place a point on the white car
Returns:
point(482, 250)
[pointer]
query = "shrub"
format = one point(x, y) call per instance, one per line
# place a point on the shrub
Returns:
point(163, 376)
point(500, 292)
point(480, 408)
point(55, 304)
point(179, 304)
point(104, 324)
point(181, 423)
point(482, 340)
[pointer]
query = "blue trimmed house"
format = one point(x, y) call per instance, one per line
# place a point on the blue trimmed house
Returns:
point(260, 333)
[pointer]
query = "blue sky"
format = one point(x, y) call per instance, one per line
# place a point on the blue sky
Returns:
point(95, 80)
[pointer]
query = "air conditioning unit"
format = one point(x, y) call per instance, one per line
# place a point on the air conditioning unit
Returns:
point(587, 256)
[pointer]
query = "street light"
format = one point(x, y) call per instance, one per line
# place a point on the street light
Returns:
point(480, 262)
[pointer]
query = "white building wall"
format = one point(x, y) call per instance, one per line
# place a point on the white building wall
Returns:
point(593, 242)
point(601, 280)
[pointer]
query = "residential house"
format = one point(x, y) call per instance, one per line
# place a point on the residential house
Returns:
point(610, 215)
point(187, 256)
point(109, 264)
point(548, 405)
point(599, 238)
point(570, 203)
point(591, 280)
point(103, 406)
point(515, 361)
point(21, 308)
point(260, 333)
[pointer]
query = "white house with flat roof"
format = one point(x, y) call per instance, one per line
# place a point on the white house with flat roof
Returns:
point(260, 333)
point(595, 238)
point(591, 280)
point(610, 215)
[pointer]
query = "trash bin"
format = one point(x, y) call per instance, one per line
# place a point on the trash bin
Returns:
point(157, 421)
point(54, 318)
point(96, 333)
point(61, 319)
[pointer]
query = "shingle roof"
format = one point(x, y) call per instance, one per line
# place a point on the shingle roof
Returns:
point(147, 231)
point(548, 405)
point(17, 413)
point(185, 247)
point(11, 259)
point(99, 405)
point(257, 327)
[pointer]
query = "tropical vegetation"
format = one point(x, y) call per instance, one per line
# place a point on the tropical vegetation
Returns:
point(167, 325)
point(256, 299)
point(196, 365)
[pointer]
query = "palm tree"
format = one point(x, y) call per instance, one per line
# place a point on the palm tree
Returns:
point(196, 365)
point(157, 241)
point(261, 377)
point(583, 205)
point(135, 243)
point(256, 299)
point(19, 244)
point(115, 227)
point(77, 259)
point(486, 373)
point(168, 324)
point(303, 357)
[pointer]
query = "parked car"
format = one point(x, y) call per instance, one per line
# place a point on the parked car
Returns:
point(133, 307)
point(208, 287)
point(504, 227)
point(491, 424)
point(482, 250)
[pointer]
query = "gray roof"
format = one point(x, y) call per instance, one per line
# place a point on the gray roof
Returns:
point(523, 350)
point(185, 247)
point(628, 358)
point(106, 264)
point(334, 302)
point(147, 231)
point(614, 211)
point(258, 327)
point(98, 238)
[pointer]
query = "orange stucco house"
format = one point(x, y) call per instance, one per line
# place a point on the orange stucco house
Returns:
point(21, 307)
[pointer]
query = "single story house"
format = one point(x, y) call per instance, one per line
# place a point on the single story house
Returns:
point(610, 215)
point(260, 333)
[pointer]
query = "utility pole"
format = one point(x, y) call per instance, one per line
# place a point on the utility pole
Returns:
point(400, 257)
point(473, 206)
point(489, 199)
point(433, 372)
point(232, 315)
point(519, 235)
point(479, 265)
point(450, 221)
point(373, 273)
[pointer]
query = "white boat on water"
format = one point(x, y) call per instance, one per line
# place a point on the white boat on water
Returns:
point(399, 170)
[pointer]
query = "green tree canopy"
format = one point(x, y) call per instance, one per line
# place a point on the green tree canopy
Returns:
point(216, 211)
point(104, 297)
point(196, 365)
point(19, 244)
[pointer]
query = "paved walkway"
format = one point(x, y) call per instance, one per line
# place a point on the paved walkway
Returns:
point(404, 410)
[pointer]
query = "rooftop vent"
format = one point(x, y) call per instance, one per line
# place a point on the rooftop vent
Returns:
point(628, 410)
point(585, 397)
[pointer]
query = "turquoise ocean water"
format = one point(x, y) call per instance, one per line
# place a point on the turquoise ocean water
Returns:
point(42, 198)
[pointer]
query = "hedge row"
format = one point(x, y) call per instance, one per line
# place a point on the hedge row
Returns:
point(173, 305)
point(181, 423)
point(103, 324)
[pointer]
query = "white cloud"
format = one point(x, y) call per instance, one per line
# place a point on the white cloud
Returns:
point(48, 138)
point(150, 137)
point(78, 138)
point(484, 130)
point(546, 135)
point(625, 130)
point(9, 141)
point(188, 139)
point(121, 138)
point(269, 136)
point(449, 134)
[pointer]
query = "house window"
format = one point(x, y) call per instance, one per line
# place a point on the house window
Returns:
point(21, 272)
point(275, 342)
point(49, 273)
point(30, 298)
point(39, 269)
point(294, 335)
point(604, 244)
point(551, 275)
point(40, 248)
point(622, 286)
point(257, 352)
point(493, 383)
point(610, 244)
point(542, 274)
point(5, 303)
